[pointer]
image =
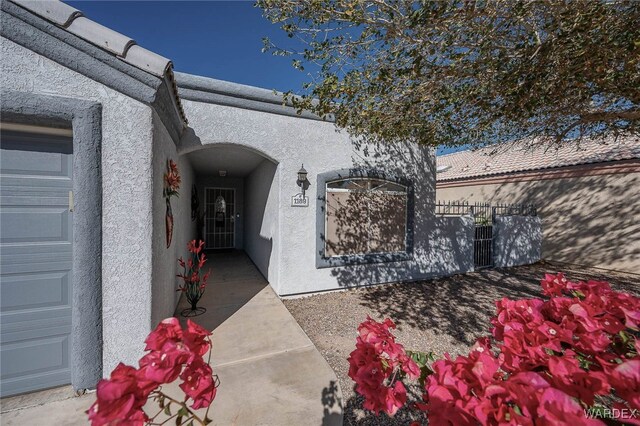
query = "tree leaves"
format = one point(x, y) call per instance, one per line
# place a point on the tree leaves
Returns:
point(455, 73)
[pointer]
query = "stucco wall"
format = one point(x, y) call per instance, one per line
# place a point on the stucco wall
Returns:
point(517, 240)
point(164, 296)
point(588, 220)
point(292, 141)
point(262, 218)
point(126, 197)
point(209, 181)
point(452, 239)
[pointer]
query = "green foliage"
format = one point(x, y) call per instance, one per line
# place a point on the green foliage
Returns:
point(477, 72)
point(424, 360)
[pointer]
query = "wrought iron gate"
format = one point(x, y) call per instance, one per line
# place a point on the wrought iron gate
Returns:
point(484, 215)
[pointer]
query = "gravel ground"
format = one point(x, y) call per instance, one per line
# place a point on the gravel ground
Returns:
point(441, 315)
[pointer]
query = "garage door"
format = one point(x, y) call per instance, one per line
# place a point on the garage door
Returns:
point(36, 246)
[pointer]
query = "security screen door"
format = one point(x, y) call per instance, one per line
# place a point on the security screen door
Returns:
point(220, 218)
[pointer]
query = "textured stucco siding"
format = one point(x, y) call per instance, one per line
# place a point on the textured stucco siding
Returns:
point(452, 240)
point(262, 218)
point(291, 141)
point(126, 194)
point(164, 296)
point(588, 220)
point(517, 240)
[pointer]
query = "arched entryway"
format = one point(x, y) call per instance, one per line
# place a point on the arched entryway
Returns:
point(235, 196)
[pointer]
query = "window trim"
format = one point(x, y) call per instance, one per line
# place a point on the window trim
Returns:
point(323, 261)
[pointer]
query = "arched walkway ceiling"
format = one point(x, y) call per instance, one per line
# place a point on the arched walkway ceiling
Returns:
point(237, 161)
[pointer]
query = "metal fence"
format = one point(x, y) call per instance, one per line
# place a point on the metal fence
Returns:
point(484, 215)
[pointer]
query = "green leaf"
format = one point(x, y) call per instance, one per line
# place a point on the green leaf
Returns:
point(167, 409)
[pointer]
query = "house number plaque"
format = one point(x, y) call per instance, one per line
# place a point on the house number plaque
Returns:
point(299, 200)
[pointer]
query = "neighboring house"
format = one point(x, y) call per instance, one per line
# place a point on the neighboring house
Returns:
point(89, 122)
point(588, 196)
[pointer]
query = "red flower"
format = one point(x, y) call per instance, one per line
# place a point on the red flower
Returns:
point(119, 398)
point(194, 247)
point(553, 285)
point(198, 383)
point(626, 381)
point(558, 408)
point(165, 366)
point(168, 330)
point(196, 338)
point(201, 261)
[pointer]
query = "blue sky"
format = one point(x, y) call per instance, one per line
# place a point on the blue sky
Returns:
point(218, 39)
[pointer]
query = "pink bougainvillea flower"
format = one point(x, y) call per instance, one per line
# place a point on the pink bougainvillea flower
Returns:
point(558, 408)
point(198, 383)
point(553, 285)
point(164, 366)
point(119, 398)
point(549, 361)
point(196, 338)
point(168, 330)
point(626, 381)
point(395, 398)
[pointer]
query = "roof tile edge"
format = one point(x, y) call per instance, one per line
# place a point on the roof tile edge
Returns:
point(63, 16)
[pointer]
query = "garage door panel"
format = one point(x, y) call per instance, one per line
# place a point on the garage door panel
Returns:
point(35, 382)
point(35, 225)
point(32, 356)
point(36, 157)
point(35, 290)
point(33, 324)
point(34, 186)
point(36, 242)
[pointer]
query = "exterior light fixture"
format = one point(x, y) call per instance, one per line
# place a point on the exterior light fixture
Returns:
point(302, 180)
point(223, 173)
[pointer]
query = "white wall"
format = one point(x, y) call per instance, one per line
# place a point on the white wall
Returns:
point(126, 194)
point(164, 297)
point(262, 218)
point(291, 141)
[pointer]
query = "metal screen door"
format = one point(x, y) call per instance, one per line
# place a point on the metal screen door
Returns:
point(220, 221)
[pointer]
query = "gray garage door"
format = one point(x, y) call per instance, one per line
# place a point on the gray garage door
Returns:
point(36, 256)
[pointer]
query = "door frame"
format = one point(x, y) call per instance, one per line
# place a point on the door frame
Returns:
point(206, 218)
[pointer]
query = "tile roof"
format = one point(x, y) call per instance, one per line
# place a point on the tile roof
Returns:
point(123, 47)
point(523, 156)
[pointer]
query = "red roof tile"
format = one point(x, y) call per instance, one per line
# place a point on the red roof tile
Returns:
point(522, 156)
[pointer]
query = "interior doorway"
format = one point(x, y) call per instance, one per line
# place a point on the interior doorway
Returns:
point(220, 218)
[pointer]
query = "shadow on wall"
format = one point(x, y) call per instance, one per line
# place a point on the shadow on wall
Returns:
point(590, 220)
point(261, 215)
point(517, 240)
point(375, 219)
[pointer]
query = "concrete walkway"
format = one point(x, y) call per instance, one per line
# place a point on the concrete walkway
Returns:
point(270, 373)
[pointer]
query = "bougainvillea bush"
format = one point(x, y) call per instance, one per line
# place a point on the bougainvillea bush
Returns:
point(570, 358)
point(173, 353)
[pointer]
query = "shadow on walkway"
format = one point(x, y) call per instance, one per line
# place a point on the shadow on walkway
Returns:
point(270, 373)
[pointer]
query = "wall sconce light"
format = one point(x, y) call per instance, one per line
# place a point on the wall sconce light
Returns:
point(302, 180)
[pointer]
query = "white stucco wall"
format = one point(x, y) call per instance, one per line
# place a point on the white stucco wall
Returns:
point(262, 220)
point(127, 188)
point(291, 141)
point(164, 296)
